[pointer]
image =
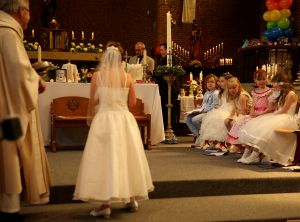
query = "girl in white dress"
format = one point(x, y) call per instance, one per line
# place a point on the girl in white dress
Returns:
point(260, 134)
point(213, 129)
point(114, 167)
point(242, 105)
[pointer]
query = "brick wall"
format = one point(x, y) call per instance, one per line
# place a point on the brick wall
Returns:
point(123, 21)
point(228, 21)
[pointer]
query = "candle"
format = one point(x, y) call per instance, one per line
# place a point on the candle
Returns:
point(213, 50)
point(200, 76)
point(93, 36)
point(191, 76)
point(73, 36)
point(205, 55)
point(169, 38)
point(32, 33)
point(82, 35)
point(39, 54)
point(256, 67)
point(221, 47)
point(145, 57)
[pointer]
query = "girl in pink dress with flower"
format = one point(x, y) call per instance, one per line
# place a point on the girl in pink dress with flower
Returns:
point(260, 97)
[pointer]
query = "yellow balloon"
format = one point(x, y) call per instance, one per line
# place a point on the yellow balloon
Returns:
point(275, 15)
point(267, 16)
point(285, 13)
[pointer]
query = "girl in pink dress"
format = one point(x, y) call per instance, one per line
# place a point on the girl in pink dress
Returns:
point(242, 105)
point(260, 97)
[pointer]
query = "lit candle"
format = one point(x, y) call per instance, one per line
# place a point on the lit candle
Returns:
point(39, 54)
point(93, 36)
point(221, 47)
point(169, 38)
point(32, 33)
point(145, 57)
point(213, 50)
point(205, 55)
point(73, 36)
point(256, 67)
point(200, 76)
point(82, 35)
point(191, 76)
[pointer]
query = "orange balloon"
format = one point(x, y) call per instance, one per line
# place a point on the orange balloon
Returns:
point(272, 4)
point(285, 3)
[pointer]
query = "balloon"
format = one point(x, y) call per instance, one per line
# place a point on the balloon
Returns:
point(283, 23)
point(275, 15)
point(276, 33)
point(272, 4)
point(285, 3)
point(267, 16)
point(288, 32)
point(271, 24)
point(285, 13)
point(267, 33)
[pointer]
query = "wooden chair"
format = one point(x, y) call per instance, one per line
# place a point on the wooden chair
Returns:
point(70, 111)
point(143, 121)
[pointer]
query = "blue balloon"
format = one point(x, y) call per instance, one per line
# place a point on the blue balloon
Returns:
point(288, 32)
point(267, 33)
point(276, 33)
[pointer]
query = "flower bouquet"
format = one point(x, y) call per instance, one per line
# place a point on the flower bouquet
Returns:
point(89, 47)
point(31, 46)
point(86, 75)
point(192, 85)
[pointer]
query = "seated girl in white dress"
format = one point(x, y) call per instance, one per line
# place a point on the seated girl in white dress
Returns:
point(260, 97)
point(242, 105)
point(259, 133)
point(114, 167)
point(213, 129)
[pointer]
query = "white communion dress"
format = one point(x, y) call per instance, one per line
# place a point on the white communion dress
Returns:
point(213, 127)
point(114, 165)
point(260, 133)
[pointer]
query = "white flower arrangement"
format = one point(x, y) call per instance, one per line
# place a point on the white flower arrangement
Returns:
point(31, 46)
point(89, 47)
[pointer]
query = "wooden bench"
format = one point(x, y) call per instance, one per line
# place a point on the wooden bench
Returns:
point(143, 121)
point(297, 132)
point(70, 111)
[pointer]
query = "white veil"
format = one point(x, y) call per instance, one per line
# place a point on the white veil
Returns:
point(108, 78)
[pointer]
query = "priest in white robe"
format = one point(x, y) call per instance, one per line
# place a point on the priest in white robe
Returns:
point(24, 169)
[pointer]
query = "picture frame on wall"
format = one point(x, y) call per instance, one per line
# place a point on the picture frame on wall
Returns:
point(61, 75)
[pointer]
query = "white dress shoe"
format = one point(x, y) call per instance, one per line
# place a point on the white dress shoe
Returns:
point(104, 213)
point(252, 159)
point(246, 154)
point(133, 206)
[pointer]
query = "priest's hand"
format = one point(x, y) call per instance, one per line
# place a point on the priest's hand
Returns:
point(42, 86)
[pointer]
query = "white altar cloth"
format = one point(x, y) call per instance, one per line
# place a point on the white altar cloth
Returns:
point(149, 93)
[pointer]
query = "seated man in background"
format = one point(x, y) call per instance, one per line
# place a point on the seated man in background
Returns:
point(140, 51)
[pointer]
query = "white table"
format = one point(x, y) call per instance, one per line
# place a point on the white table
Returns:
point(187, 103)
point(149, 93)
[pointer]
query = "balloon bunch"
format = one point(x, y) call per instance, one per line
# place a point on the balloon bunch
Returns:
point(277, 18)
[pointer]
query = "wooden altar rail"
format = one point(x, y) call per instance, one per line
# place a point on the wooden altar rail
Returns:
point(69, 56)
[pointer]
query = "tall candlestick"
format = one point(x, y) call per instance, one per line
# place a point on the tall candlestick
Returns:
point(93, 36)
point(169, 39)
point(200, 76)
point(82, 35)
point(73, 36)
point(32, 33)
point(39, 54)
point(145, 57)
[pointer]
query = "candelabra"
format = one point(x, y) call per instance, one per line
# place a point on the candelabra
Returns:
point(199, 91)
point(170, 137)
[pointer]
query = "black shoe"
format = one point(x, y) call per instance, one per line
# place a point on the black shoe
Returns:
point(11, 217)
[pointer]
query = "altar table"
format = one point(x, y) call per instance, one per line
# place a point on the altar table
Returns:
point(149, 93)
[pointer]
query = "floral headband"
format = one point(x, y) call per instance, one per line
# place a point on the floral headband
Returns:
point(112, 48)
